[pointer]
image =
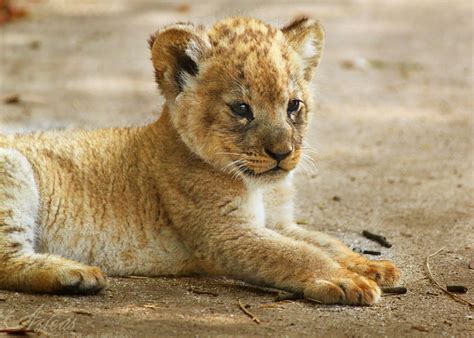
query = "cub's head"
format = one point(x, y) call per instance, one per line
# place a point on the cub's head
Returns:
point(238, 93)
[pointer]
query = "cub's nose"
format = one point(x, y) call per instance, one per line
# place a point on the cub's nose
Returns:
point(279, 156)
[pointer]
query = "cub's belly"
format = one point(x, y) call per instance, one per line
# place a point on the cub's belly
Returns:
point(119, 247)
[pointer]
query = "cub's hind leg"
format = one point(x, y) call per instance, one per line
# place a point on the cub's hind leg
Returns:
point(21, 268)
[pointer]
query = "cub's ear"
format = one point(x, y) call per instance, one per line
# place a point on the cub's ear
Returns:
point(307, 38)
point(176, 52)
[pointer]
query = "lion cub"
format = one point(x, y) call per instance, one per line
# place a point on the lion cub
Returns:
point(206, 189)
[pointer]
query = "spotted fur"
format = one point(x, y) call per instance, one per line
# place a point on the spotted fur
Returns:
point(203, 190)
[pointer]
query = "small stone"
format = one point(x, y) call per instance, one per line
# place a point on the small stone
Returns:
point(35, 44)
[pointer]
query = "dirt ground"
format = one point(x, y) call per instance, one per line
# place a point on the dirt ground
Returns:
point(393, 136)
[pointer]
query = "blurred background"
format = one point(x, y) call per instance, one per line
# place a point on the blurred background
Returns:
point(392, 133)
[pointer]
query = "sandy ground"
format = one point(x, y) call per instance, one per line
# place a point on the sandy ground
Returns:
point(393, 135)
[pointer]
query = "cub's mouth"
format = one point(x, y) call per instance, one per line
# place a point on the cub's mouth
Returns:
point(275, 171)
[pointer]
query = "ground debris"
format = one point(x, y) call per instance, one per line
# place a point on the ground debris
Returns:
point(183, 8)
point(23, 331)
point(83, 312)
point(398, 290)
point(419, 328)
point(136, 277)
point(284, 296)
point(289, 296)
point(367, 252)
point(435, 282)
point(11, 99)
point(248, 313)
point(271, 306)
point(377, 238)
point(457, 288)
point(202, 292)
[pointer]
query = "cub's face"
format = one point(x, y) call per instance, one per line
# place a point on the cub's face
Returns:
point(238, 93)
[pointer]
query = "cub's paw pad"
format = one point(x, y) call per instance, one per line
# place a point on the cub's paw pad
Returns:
point(81, 280)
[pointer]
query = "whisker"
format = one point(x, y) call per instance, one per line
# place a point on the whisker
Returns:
point(231, 166)
point(307, 164)
point(228, 153)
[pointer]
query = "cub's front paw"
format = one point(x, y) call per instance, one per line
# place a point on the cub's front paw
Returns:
point(80, 279)
point(385, 273)
point(349, 288)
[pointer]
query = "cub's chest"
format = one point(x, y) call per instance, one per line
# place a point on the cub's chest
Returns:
point(250, 207)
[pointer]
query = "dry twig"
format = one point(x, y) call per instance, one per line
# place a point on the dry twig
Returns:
point(203, 292)
point(456, 288)
point(420, 328)
point(367, 252)
point(433, 280)
point(288, 296)
point(136, 277)
point(83, 312)
point(22, 331)
point(377, 238)
point(397, 290)
point(271, 306)
point(248, 313)
point(283, 296)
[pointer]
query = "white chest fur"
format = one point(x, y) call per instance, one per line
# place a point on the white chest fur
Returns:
point(254, 206)
point(270, 205)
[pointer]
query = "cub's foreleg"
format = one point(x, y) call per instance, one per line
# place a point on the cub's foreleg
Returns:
point(384, 272)
point(279, 207)
point(21, 269)
point(232, 245)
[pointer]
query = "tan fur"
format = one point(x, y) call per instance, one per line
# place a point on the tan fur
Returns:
point(192, 193)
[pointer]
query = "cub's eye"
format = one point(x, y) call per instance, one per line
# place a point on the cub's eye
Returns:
point(242, 110)
point(293, 108)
